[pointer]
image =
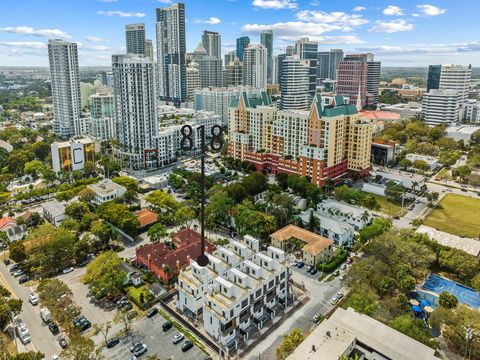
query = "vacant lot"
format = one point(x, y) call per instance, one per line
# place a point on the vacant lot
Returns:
point(387, 207)
point(456, 215)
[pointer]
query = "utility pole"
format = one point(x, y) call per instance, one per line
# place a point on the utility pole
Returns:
point(216, 144)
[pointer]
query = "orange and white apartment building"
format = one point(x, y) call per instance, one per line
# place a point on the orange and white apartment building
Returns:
point(331, 141)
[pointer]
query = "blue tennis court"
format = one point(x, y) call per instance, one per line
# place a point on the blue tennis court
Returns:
point(465, 295)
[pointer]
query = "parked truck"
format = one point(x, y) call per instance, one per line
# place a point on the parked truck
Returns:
point(45, 315)
point(22, 331)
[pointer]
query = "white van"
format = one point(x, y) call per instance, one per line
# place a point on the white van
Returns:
point(23, 333)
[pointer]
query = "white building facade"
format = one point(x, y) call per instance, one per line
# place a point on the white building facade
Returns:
point(294, 84)
point(64, 74)
point(441, 106)
point(255, 66)
point(102, 116)
point(240, 289)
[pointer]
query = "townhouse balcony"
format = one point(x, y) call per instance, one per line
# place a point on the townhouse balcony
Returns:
point(244, 316)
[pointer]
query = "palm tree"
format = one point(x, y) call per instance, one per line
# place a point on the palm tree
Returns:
point(365, 217)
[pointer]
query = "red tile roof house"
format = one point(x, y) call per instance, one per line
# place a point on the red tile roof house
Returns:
point(146, 218)
point(166, 263)
point(7, 222)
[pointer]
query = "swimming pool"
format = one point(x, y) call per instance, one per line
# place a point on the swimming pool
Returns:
point(464, 294)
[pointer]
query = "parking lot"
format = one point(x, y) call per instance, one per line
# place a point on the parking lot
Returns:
point(150, 332)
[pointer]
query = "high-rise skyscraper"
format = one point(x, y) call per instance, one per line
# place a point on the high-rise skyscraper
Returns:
point(212, 42)
point(290, 50)
point(102, 113)
point(193, 79)
point(149, 49)
point(135, 112)
point(266, 39)
point(441, 107)
point(230, 56)
point(358, 76)
point(307, 50)
point(234, 73)
point(323, 66)
point(336, 55)
point(279, 65)
point(456, 77)
point(171, 53)
point(242, 42)
point(64, 74)
point(295, 81)
point(433, 77)
point(255, 66)
point(135, 38)
point(210, 71)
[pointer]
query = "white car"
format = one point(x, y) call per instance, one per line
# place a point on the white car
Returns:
point(178, 338)
point(339, 295)
point(139, 350)
point(33, 298)
point(55, 357)
point(67, 270)
point(334, 301)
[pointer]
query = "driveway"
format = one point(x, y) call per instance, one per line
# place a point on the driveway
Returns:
point(149, 332)
point(320, 294)
point(41, 338)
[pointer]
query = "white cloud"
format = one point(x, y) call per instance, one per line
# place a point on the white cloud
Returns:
point(440, 49)
point(94, 38)
point(393, 10)
point(293, 30)
point(36, 45)
point(212, 21)
point(121, 14)
point(430, 10)
point(359, 8)
point(27, 30)
point(275, 4)
point(393, 26)
point(165, 1)
point(336, 17)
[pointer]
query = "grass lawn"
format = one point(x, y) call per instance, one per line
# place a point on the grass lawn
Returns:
point(135, 292)
point(456, 214)
point(388, 207)
point(442, 174)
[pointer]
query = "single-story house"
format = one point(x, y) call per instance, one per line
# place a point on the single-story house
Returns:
point(106, 190)
point(7, 222)
point(16, 233)
point(146, 218)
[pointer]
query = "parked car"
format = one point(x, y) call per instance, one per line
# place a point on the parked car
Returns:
point(187, 345)
point(152, 312)
point(18, 272)
point(53, 327)
point(139, 350)
point(334, 301)
point(23, 279)
point(167, 326)
point(135, 344)
point(178, 338)
point(343, 266)
point(317, 317)
point(63, 342)
point(339, 295)
point(33, 298)
point(349, 261)
point(300, 265)
point(112, 342)
point(314, 271)
point(13, 268)
point(81, 323)
point(67, 270)
point(6, 261)
point(309, 268)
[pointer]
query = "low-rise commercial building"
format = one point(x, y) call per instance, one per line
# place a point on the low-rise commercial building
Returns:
point(241, 289)
point(165, 262)
point(461, 132)
point(383, 152)
point(431, 161)
point(347, 334)
point(72, 155)
point(315, 248)
point(106, 190)
point(54, 212)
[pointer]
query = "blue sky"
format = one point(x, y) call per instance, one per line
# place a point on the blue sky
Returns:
point(399, 33)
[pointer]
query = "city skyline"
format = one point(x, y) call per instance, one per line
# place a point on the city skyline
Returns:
point(412, 34)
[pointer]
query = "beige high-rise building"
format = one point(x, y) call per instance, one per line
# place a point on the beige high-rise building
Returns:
point(330, 142)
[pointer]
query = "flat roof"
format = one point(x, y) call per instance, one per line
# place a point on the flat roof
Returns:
point(470, 246)
point(105, 187)
point(333, 337)
point(54, 207)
